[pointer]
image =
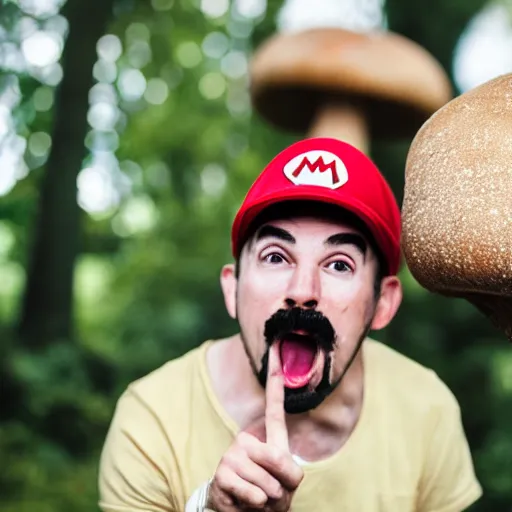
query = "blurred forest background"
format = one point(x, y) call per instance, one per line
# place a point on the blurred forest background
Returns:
point(127, 142)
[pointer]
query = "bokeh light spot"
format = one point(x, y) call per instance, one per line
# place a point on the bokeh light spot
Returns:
point(212, 85)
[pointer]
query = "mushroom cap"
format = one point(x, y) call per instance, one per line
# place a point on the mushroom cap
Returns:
point(457, 207)
point(397, 82)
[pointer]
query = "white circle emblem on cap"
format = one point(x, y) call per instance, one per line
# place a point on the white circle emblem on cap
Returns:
point(320, 168)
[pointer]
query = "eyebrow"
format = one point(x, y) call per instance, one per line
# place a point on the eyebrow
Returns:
point(348, 238)
point(268, 231)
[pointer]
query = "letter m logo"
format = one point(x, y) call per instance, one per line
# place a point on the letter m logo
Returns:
point(320, 168)
point(318, 165)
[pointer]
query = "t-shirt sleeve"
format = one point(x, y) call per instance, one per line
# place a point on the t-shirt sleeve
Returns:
point(133, 470)
point(448, 483)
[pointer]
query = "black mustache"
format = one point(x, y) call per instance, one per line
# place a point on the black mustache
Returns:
point(314, 323)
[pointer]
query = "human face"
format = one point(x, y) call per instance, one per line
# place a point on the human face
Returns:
point(308, 284)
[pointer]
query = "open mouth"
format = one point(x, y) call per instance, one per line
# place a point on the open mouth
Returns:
point(302, 360)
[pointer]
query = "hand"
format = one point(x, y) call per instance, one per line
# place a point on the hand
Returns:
point(254, 475)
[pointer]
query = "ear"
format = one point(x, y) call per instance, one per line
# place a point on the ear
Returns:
point(388, 303)
point(228, 285)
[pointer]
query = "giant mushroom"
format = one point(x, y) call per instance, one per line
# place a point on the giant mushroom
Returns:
point(349, 85)
point(457, 208)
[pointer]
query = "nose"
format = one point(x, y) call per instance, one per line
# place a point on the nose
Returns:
point(303, 288)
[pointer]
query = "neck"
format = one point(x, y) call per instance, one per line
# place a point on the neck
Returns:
point(243, 398)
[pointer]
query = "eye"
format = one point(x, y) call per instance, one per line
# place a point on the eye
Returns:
point(340, 266)
point(273, 258)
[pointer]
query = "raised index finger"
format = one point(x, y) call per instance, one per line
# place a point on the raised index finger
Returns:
point(275, 423)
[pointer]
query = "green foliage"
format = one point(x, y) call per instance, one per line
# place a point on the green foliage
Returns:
point(146, 283)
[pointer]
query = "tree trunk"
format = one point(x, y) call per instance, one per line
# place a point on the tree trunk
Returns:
point(47, 306)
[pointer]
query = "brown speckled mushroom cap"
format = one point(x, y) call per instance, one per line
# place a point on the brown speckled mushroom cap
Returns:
point(397, 82)
point(457, 208)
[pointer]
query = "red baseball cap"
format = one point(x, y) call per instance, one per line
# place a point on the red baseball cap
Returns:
point(328, 171)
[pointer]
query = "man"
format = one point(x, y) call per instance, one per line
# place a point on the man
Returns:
point(301, 410)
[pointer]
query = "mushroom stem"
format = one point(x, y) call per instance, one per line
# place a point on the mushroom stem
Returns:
point(341, 121)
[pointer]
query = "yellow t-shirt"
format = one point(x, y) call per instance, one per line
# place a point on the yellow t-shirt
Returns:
point(408, 452)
